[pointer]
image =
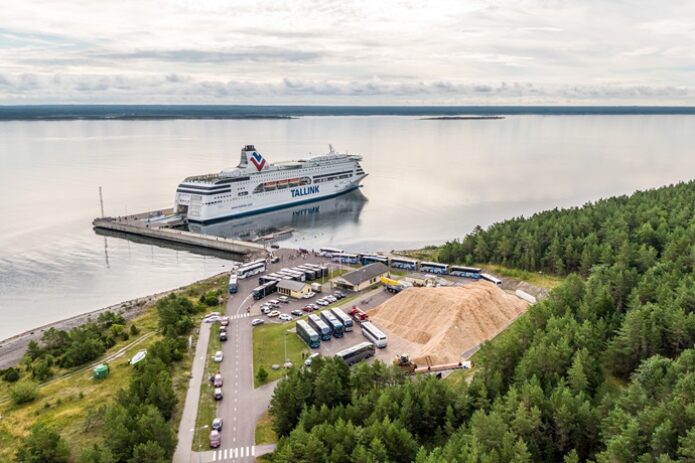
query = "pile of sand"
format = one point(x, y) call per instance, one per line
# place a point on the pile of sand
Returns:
point(445, 322)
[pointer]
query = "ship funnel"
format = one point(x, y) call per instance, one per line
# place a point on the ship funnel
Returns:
point(251, 159)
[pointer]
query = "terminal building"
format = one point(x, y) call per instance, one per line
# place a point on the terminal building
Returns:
point(292, 288)
point(362, 278)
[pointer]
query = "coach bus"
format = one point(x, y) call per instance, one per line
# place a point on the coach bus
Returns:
point(345, 258)
point(434, 267)
point(403, 263)
point(308, 334)
point(328, 252)
point(233, 287)
point(490, 278)
point(309, 272)
point(336, 326)
point(354, 354)
point(374, 334)
point(344, 318)
point(298, 276)
point(318, 324)
point(465, 272)
point(264, 290)
point(373, 258)
point(251, 269)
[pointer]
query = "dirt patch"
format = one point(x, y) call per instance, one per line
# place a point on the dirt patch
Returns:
point(443, 323)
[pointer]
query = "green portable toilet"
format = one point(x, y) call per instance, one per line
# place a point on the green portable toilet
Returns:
point(100, 371)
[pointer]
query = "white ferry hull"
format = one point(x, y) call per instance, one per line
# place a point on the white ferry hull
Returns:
point(256, 186)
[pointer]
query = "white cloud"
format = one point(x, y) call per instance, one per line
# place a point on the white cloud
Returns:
point(354, 52)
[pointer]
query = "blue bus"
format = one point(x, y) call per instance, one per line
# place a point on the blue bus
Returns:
point(434, 267)
point(367, 259)
point(465, 272)
point(336, 326)
point(320, 327)
point(233, 287)
point(403, 263)
point(308, 334)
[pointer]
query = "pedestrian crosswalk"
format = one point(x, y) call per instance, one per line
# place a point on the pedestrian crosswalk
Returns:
point(234, 453)
point(239, 315)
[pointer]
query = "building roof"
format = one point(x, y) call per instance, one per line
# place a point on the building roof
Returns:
point(292, 285)
point(365, 273)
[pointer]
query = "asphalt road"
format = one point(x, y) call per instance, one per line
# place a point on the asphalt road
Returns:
point(242, 405)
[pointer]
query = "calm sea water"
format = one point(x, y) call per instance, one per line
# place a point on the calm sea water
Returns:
point(429, 181)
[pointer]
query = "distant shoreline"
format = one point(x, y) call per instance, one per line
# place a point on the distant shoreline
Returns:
point(461, 118)
point(258, 112)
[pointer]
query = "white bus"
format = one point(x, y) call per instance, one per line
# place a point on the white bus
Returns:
point(251, 269)
point(344, 318)
point(298, 276)
point(374, 334)
point(490, 278)
point(345, 258)
point(434, 267)
point(328, 252)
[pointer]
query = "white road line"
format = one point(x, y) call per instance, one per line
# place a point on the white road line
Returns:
point(243, 452)
point(214, 455)
point(225, 454)
point(235, 452)
point(253, 451)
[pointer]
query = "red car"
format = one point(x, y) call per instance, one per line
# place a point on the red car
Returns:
point(308, 308)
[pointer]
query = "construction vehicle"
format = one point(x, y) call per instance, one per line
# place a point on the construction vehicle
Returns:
point(358, 314)
point(394, 286)
point(404, 362)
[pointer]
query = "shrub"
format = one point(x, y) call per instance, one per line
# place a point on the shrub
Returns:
point(24, 392)
point(11, 375)
point(262, 374)
point(134, 330)
point(43, 445)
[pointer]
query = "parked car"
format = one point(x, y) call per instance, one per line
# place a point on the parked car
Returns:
point(266, 310)
point(310, 359)
point(256, 321)
point(297, 312)
point(213, 314)
point(217, 380)
point(322, 302)
point(274, 260)
point(331, 299)
point(275, 246)
point(212, 319)
point(217, 424)
point(285, 317)
point(274, 313)
point(219, 356)
point(274, 303)
point(338, 295)
point(284, 299)
point(215, 439)
point(223, 336)
point(224, 321)
point(309, 295)
point(308, 308)
point(218, 393)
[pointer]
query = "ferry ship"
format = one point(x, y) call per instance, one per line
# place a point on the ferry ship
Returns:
point(256, 185)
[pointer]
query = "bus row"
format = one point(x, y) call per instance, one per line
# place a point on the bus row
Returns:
point(338, 255)
point(305, 272)
point(331, 323)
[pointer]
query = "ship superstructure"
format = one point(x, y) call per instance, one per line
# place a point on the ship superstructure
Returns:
point(256, 185)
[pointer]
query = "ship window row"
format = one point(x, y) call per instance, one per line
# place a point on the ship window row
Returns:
point(282, 184)
point(334, 177)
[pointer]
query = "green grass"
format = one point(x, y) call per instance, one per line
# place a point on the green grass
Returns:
point(428, 253)
point(459, 376)
point(269, 349)
point(264, 430)
point(207, 405)
point(74, 403)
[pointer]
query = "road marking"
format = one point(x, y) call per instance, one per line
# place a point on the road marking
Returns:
point(253, 451)
point(225, 454)
point(214, 455)
point(235, 452)
point(239, 315)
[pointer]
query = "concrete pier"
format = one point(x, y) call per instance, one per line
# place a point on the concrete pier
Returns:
point(157, 225)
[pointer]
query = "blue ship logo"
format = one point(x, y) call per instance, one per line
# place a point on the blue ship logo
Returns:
point(307, 190)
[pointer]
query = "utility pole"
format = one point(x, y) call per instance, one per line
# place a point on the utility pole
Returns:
point(101, 201)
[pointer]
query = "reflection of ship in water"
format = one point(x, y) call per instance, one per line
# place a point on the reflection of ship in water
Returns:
point(334, 211)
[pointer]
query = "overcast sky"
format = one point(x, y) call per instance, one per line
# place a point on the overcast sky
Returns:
point(351, 52)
